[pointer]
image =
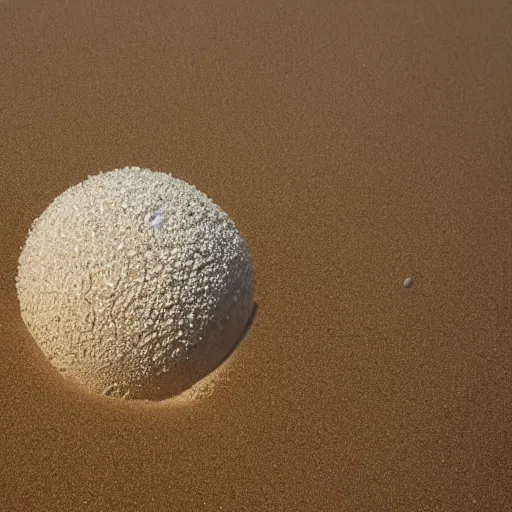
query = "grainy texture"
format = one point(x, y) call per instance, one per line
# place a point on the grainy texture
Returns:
point(353, 144)
point(135, 284)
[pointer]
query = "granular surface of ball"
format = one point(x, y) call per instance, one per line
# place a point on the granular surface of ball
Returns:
point(135, 284)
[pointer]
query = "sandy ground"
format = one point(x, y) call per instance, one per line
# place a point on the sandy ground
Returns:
point(355, 144)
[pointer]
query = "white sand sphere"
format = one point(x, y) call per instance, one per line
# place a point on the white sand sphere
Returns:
point(135, 284)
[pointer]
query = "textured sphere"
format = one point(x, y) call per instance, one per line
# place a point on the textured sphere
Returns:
point(135, 284)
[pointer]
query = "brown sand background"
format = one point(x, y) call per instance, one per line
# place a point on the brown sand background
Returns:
point(354, 144)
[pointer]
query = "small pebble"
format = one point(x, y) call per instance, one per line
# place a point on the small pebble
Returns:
point(409, 282)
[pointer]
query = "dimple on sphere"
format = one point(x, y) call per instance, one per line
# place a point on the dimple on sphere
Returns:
point(135, 284)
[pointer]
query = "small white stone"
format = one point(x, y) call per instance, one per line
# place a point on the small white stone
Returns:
point(409, 282)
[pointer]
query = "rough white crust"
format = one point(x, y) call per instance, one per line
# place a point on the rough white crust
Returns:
point(135, 284)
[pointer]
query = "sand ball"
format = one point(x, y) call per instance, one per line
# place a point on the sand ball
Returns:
point(135, 284)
